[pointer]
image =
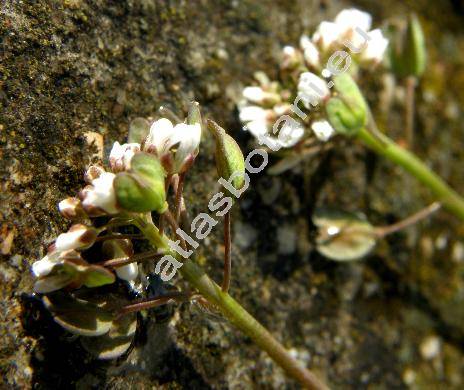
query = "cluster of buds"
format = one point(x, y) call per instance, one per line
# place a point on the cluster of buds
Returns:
point(134, 182)
point(263, 104)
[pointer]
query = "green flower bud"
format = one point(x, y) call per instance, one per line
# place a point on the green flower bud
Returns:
point(408, 54)
point(229, 157)
point(141, 189)
point(194, 115)
point(347, 111)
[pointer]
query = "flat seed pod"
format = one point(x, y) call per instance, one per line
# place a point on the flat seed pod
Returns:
point(343, 236)
point(116, 342)
point(78, 316)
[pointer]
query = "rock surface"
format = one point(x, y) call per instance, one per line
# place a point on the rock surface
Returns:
point(73, 75)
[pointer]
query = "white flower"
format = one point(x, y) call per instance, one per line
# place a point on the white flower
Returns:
point(322, 130)
point(349, 19)
point(254, 94)
point(78, 237)
point(310, 52)
point(376, 47)
point(121, 155)
point(71, 208)
point(287, 137)
point(128, 272)
point(312, 89)
point(44, 266)
point(100, 195)
point(327, 34)
point(253, 113)
point(164, 137)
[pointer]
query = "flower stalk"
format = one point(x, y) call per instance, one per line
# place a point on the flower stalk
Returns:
point(233, 311)
point(384, 146)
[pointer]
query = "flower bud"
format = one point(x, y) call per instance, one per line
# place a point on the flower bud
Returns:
point(71, 208)
point(114, 249)
point(348, 111)
point(121, 155)
point(229, 157)
point(78, 237)
point(99, 198)
point(408, 54)
point(93, 172)
point(142, 188)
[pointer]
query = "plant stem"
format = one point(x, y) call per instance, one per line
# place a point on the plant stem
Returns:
point(227, 254)
point(234, 312)
point(384, 146)
point(409, 110)
point(383, 231)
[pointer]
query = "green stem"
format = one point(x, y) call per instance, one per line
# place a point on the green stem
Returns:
point(234, 312)
point(383, 145)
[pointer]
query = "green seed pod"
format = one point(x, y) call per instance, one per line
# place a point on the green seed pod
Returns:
point(142, 188)
point(229, 157)
point(408, 54)
point(347, 111)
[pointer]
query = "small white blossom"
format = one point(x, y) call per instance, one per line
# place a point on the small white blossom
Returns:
point(44, 266)
point(291, 57)
point(327, 34)
point(121, 155)
point(71, 208)
point(128, 272)
point(310, 52)
point(100, 195)
point(349, 19)
point(253, 113)
point(78, 237)
point(164, 137)
point(312, 89)
point(254, 94)
point(322, 130)
point(376, 47)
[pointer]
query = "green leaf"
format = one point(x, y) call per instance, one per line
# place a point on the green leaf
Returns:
point(52, 282)
point(229, 157)
point(343, 236)
point(138, 130)
point(142, 189)
point(194, 115)
point(78, 316)
point(347, 112)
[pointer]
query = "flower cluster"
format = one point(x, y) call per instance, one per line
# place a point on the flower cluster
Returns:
point(324, 53)
point(134, 181)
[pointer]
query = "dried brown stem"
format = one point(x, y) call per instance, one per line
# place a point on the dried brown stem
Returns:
point(150, 303)
point(383, 231)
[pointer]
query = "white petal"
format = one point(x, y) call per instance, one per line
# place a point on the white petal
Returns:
point(188, 137)
point(322, 130)
point(160, 134)
point(253, 94)
point(312, 89)
point(311, 54)
point(257, 128)
point(290, 135)
point(252, 113)
point(102, 194)
point(327, 34)
point(44, 266)
point(127, 272)
point(349, 19)
point(376, 47)
point(69, 240)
